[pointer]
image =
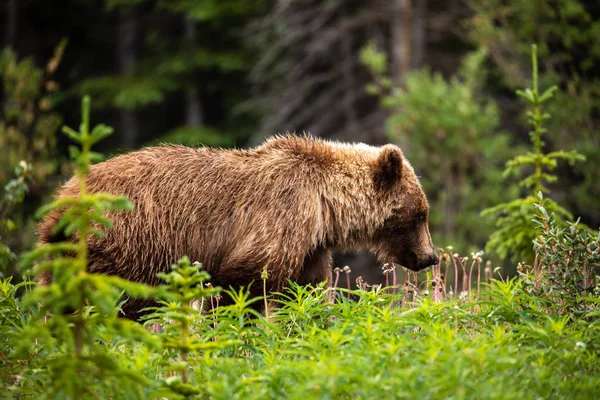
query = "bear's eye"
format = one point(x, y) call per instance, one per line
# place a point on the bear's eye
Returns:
point(421, 217)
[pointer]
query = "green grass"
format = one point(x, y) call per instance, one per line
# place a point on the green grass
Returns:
point(506, 345)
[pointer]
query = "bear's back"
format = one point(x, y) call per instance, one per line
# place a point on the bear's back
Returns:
point(200, 202)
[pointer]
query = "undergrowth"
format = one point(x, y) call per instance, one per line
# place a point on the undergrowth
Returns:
point(508, 344)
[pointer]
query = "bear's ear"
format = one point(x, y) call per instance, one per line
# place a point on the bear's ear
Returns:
point(388, 167)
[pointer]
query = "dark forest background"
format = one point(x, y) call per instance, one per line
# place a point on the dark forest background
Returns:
point(436, 77)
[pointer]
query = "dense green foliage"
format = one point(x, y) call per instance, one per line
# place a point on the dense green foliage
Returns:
point(190, 42)
point(29, 124)
point(503, 346)
point(14, 193)
point(28, 141)
point(566, 33)
point(566, 259)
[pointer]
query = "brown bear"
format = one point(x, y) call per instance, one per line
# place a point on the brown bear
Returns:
point(286, 205)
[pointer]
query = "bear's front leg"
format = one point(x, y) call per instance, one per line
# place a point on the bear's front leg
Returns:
point(316, 268)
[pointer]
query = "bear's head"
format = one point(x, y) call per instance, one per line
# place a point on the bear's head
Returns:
point(403, 237)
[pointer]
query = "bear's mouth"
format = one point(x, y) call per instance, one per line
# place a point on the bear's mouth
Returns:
point(412, 262)
point(412, 267)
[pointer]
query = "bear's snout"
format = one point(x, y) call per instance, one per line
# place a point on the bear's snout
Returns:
point(433, 259)
point(427, 261)
point(416, 262)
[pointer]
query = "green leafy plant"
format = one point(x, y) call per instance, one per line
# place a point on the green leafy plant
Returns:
point(62, 339)
point(29, 125)
point(14, 193)
point(28, 134)
point(515, 233)
point(567, 261)
point(184, 327)
point(13, 318)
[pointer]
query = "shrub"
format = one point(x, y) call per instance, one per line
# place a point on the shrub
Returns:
point(63, 341)
point(515, 232)
point(567, 262)
point(14, 193)
point(28, 135)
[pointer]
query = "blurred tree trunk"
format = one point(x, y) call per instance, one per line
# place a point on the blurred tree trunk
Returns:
point(126, 55)
point(401, 39)
point(348, 76)
point(194, 116)
point(12, 13)
point(418, 44)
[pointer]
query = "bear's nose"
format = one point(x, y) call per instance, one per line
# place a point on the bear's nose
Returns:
point(434, 259)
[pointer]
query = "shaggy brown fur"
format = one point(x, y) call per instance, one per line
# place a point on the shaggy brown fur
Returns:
point(285, 205)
